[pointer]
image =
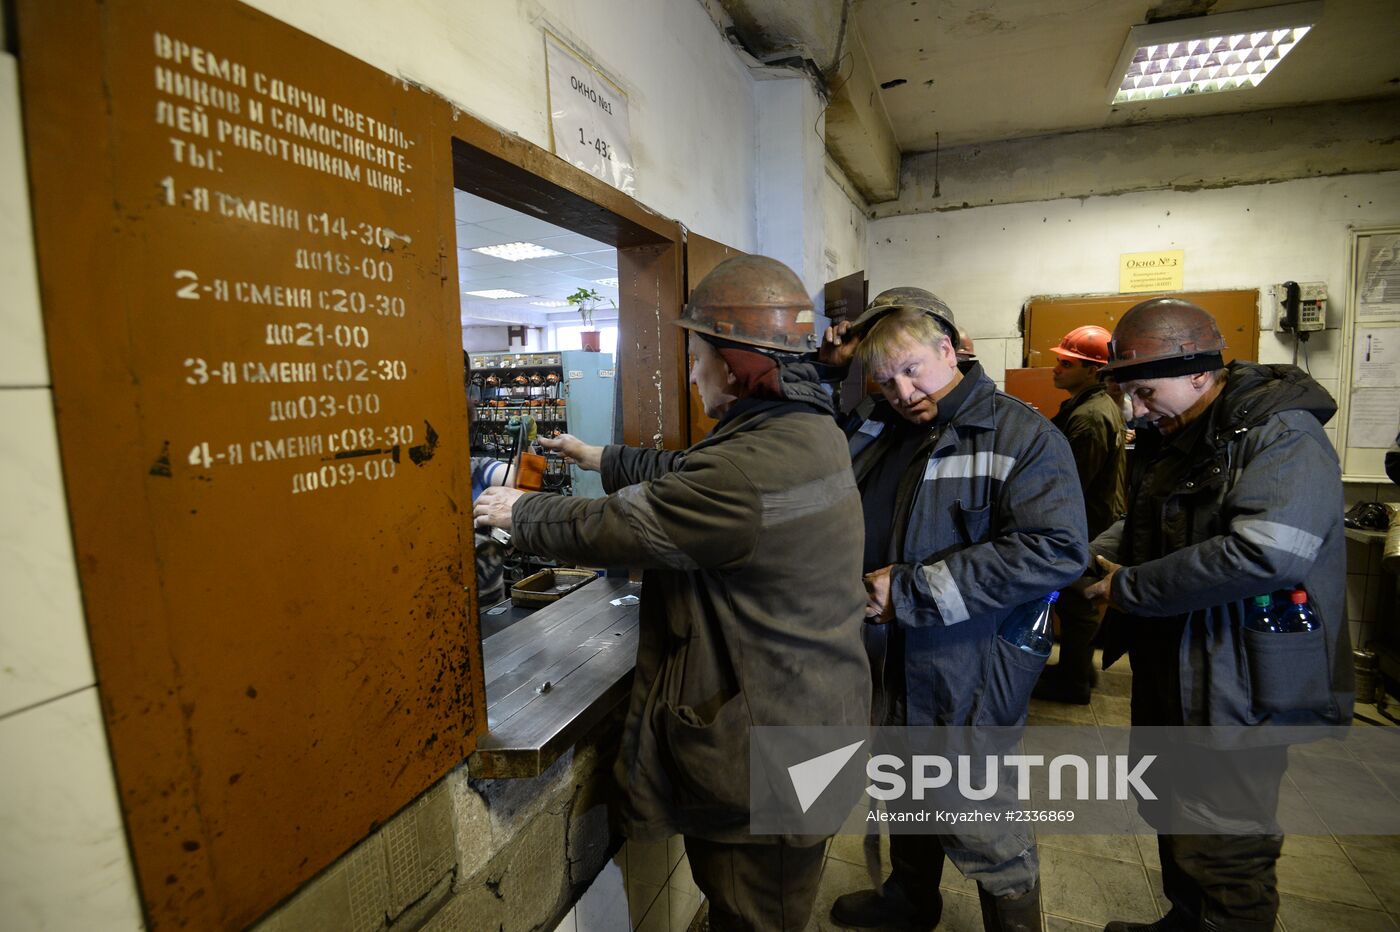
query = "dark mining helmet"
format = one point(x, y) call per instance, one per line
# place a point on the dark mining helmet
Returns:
point(753, 301)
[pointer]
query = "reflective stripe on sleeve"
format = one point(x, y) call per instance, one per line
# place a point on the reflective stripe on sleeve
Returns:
point(808, 498)
point(946, 594)
point(970, 466)
point(641, 518)
point(1276, 536)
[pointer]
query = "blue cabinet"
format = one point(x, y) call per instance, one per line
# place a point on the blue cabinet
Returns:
point(566, 392)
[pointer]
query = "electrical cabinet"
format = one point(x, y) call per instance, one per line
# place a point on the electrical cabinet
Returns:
point(565, 392)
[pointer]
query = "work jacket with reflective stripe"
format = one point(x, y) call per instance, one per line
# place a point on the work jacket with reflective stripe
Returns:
point(752, 602)
point(1252, 507)
point(994, 519)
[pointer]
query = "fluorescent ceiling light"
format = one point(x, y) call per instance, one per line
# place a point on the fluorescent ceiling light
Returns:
point(1208, 54)
point(609, 282)
point(514, 252)
point(550, 303)
point(494, 293)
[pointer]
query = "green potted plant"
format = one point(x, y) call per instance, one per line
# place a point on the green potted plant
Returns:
point(587, 300)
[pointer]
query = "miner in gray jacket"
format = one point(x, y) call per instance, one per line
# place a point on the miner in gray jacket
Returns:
point(751, 601)
point(972, 508)
point(1235, 493)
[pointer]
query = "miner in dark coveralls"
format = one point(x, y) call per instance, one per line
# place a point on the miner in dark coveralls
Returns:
point(1234, 492)
point(1093, 423)
point(752, 601)
point(972, 508)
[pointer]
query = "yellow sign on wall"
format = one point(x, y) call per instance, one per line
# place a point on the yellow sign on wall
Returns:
point(1151, 271)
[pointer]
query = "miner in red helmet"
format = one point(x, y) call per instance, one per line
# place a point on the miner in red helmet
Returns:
point(752, 603)
point(1092, 421)
point(1234, 496)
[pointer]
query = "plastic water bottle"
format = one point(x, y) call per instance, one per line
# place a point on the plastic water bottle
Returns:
point(1297, 615)
point(1028, 626)
point(1259, 615)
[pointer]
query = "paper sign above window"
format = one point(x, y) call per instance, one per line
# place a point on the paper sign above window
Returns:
point(1151, 271)
point(588, 118)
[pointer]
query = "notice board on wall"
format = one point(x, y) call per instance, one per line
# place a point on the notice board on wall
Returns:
point(1369, 395)
point(1048, 319)
point(253, 334)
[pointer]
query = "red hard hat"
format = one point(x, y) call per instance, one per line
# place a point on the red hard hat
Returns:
point(1088, 343)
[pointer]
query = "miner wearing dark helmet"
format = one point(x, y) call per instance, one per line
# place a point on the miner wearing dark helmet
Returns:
point(972, 509)
point(751, 603)
point(1234, 495)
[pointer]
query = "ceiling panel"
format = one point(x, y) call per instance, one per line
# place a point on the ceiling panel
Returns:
point(473, 209)
point(484, 223)
point(976, 71)
point(559, 264)
point(472, 235)
point(520, 227)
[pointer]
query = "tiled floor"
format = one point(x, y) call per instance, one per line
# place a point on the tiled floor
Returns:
point(1326, 882)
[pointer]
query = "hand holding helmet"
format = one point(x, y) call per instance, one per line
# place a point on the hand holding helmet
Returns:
point(838, 344)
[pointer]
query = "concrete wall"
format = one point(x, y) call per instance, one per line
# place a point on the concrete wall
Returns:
point(690, 101)
point(844, 225)
point(1183, 155)
point(986, 262)
point(791, 171)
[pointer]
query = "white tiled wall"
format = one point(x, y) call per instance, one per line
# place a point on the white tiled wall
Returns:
point(22, 360)
point(43, 643)
point(646, 887)
point(64, 863)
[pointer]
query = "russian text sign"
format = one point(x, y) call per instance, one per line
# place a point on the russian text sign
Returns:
point(588, 118)
point(1151, 271)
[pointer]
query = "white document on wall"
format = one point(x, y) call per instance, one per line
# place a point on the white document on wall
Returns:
point(1378, 288)
point(588, 118)
point(1374, 418)
point(1376, 358)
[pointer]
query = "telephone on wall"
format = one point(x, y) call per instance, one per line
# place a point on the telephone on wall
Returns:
point(1302, 307)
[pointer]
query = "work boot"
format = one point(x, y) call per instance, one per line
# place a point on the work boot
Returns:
point(1174, 921)
point(1055, 686)
point(1018, 912)
point(866, 909)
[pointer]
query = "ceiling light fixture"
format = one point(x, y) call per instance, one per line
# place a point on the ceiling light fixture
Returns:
point(1208, 54)
point(549, 303)
point(494, 294)
point(606, 282)
point(515, 252)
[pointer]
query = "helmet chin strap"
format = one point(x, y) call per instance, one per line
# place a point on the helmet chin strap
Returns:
point(778, 356)
point(1166, 368)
